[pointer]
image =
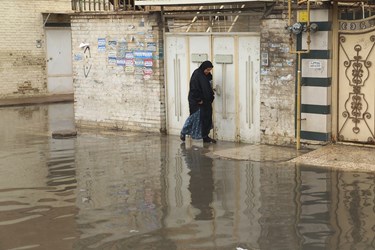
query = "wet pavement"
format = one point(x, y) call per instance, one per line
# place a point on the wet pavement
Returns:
point(122, 190)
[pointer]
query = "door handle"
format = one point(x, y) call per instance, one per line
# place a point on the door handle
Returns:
point(252, 91)
point(177, 88)
point(224, 92)
point(249, 92)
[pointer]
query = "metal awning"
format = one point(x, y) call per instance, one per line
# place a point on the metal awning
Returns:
point(61, 19)
point(192, 2)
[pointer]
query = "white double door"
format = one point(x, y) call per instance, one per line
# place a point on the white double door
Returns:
point(235, 77)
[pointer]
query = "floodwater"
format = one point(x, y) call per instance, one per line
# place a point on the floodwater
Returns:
point(142, 191)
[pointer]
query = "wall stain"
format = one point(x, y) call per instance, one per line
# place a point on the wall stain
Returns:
point(26, 88)
point(27, 59)
point(27, 112)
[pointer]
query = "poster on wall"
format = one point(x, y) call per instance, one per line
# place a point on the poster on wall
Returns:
point(122, 46)
point(148, 63)
point(138, 73)
point(142, 54)
point(129, 55)
point(120, 62)
point(129, 69)
point(129, 62)
point(147, 73)
point(112, 57)
point(151, 46)
point(129, 65)
point(121, 49)
point(101, 44)
point(112, 44)
point(139, 62)
point(78, 57)
point(143, 64)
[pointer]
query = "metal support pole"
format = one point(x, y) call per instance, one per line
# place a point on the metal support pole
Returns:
point(299, 53)
point(298, 143)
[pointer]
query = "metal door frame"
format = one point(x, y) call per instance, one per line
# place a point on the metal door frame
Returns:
point(211, 35)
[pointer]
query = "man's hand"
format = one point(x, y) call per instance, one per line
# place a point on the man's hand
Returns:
point(200, 102)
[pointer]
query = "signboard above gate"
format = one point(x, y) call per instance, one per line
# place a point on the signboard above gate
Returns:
point(186, 2)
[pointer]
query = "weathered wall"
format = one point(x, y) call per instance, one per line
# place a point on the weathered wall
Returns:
point(118, 78)
point(277, 84)
point(22, 64)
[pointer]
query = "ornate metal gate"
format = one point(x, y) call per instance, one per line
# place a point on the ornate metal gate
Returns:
point(356, 81)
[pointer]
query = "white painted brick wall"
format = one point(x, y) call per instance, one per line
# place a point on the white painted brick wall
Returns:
point(108, 96)
point(277, 85)
point(21, 63)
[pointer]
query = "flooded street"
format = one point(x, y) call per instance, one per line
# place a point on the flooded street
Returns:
point(139, 191)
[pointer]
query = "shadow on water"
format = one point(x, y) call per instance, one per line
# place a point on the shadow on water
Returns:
point(141, 191)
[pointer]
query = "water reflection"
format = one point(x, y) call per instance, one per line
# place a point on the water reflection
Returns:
point(37, 180)
point(140, 191)
point(119, 188)
point(354, 197)
point(201, 184)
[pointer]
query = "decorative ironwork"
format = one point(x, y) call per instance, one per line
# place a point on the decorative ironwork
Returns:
point(357, 73)
point(352, 25)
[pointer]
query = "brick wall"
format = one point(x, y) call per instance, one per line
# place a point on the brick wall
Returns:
point(22, 64)
point(277, 109)
point(118, 78)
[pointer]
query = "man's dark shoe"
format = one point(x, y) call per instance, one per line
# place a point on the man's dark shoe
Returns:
point(209, 140)
point(182, 137)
